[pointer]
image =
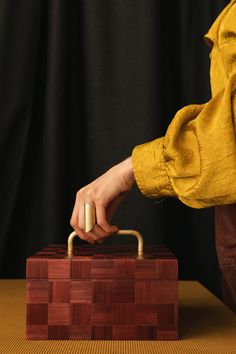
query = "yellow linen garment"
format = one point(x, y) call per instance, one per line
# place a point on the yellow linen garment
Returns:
point(196, 160)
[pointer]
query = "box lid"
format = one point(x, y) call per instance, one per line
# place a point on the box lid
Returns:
point(103, 261)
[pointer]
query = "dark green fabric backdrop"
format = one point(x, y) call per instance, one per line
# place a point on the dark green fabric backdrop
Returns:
point(82, 83)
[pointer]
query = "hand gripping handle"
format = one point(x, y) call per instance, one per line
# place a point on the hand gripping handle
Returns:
point(120, 232)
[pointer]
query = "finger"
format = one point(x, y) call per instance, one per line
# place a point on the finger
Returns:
point(102, 221)
point(75, 221)
point(93, 235)
point(100, 232)
point(75, 224)
point(97, 233)
point(84, 236)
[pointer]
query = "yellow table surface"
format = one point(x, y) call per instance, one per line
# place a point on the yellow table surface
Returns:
point(206, 325)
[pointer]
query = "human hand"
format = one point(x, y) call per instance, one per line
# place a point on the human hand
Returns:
point(105, 194)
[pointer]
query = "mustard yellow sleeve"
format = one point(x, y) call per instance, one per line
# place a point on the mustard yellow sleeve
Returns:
point(196, 160)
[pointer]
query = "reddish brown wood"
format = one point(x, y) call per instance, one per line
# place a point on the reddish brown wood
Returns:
point(102, 332)
point(124, 314)
point(167, 316)
point(124, 268)
point(37, 291)
point(102, 314)
point(37, 268)
point(81, 269)
point(102, 292)
point(59, 269)
point(59, 332)
point(80, 332)
point(59, 291)
point(145, 269)
point(167, 335)
point(81, 314)
point(145, 314)
point(58, 314)
point(145, 291)
point(102, 269)
point(37, 314)
point(123, 291)
point(37, 331)
point(124, 332)
point(145, 332)
point(81, 291)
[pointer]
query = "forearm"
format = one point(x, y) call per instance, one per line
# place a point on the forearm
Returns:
point(195, 161)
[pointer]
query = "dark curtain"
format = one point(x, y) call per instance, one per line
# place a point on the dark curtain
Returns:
point(82, 83)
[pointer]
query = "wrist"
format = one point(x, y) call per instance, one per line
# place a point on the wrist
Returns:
point(127, 172)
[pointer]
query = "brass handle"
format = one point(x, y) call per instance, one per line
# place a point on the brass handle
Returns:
point(120, 232)
point(137, 235)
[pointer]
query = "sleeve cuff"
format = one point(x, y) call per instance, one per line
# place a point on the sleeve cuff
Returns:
point(150, 170)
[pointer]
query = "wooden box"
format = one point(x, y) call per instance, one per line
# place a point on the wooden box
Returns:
point(102, 292)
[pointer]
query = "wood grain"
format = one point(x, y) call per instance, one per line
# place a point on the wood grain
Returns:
point(123, 291)
point(102, 292)
point(102, 269)
point(59, 291)
point(81, 269)
point(102, 314)
point(58, 314)
point(80, 314)
point(81, 291)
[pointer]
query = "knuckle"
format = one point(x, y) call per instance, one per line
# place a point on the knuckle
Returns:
point(85, 193)
point(80, 225)
point(90, 194)
point(80, 192)
point(81, 235)
point(104, 226)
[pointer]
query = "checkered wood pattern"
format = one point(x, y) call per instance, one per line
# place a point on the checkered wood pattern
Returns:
point(103, 292)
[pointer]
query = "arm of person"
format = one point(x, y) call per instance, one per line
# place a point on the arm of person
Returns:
point(196, 160)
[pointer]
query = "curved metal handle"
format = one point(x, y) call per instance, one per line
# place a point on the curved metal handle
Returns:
point(137, 235)
point(120, 232)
